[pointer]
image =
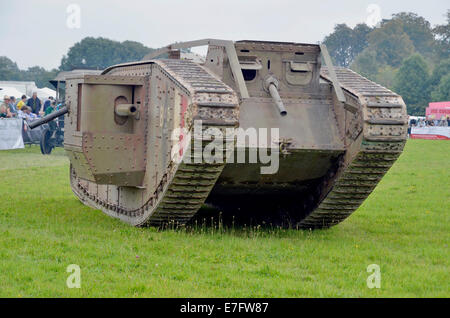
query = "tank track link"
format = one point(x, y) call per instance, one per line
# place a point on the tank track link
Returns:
point(185, 186)
point(384, 136)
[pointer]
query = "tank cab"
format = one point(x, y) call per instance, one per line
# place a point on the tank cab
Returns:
point(293, 68)
point(285, 91)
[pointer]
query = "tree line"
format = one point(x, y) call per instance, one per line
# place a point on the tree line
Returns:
point(405, 54)
point(89, 53)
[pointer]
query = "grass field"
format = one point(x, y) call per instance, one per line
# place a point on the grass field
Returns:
point(403, 227)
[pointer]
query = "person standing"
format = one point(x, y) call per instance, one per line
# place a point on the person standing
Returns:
point(22, 102)
point(50, 108)
point(12, 106)
point(5, 112)
point(35, 103)
point(421, 123)
point(47, 103)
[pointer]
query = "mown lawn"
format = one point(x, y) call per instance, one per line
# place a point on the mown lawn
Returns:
point(403, 227)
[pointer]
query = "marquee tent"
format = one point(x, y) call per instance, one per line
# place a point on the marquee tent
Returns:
point(10, 91)
point(44, 93)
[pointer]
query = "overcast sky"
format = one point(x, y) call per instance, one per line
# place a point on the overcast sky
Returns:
point(39, 32)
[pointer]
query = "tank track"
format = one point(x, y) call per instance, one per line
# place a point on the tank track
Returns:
point(184, 187)
point(384, 136)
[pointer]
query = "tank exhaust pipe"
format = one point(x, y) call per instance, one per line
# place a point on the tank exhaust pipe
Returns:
point(126, 110)
point(271, 86)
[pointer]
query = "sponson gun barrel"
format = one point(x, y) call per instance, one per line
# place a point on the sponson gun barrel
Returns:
point(48, 118)
point(125, 110)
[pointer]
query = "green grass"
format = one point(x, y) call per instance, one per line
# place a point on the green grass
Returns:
point(403, 227)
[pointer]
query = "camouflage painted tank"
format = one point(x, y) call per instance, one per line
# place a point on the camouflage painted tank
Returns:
point(142, 136)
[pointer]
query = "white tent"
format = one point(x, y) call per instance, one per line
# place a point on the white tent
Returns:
point(10, 91)
point(44, 93)
point(26, 88)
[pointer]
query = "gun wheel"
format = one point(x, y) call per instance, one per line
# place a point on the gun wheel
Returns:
point(45, 143)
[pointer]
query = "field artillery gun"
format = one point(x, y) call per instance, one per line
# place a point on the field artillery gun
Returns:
point(136, 153)
point(52, 135)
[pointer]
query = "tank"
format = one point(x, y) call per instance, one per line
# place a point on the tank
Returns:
point(267, 131)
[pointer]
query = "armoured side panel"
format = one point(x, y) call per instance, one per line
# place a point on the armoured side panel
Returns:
point(174, 93)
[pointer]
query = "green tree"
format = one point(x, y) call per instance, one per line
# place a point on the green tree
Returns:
point(40, 76)
point(418, 30)
point(344, 44)
point(442, 91)
point(411, 82)
point(442, 33)
point(360, 38)
point(386, 76)
point(99, 53)
point(366, 64)
point(390, 43)
point(9, 70)
point(440, 70)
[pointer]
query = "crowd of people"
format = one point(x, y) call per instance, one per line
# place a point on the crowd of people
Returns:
point(443, 122)
point(30, 108)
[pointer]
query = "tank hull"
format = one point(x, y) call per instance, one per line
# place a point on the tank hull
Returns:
point(329, 159)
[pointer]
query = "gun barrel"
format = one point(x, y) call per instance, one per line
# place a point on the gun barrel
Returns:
point(48, 118)
point(271, 86)
point(277, 99)
point(125, 109)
